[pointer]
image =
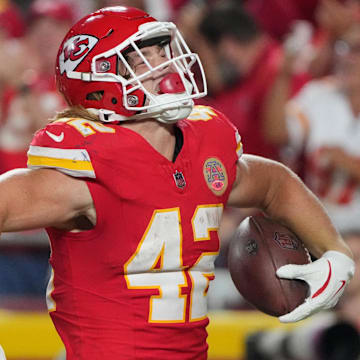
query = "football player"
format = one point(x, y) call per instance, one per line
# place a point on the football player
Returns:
point(131, 182)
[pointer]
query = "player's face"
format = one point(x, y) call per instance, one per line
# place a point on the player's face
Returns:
point(155, 55)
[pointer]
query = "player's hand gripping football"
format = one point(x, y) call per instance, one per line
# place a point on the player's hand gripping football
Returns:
point(327, 278)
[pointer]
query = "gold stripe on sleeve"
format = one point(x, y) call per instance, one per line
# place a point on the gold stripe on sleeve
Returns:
point(62, 163)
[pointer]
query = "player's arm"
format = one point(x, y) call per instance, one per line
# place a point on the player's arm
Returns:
point(40, 198)
point(280, 193)
point(276, 190)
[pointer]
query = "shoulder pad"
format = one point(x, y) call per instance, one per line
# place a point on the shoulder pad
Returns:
point(60, 145)
point(218, 123)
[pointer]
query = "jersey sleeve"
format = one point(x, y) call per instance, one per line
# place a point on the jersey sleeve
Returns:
point(59, 146)
point(233, 132)
point(222, 126)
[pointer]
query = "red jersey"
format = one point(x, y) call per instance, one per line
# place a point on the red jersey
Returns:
point(135, 286)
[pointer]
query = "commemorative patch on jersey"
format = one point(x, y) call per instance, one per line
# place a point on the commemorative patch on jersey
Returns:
point(215, 175)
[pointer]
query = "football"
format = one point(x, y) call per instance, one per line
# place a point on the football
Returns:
point(257, 249)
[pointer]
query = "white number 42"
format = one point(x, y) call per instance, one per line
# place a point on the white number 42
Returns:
point(157, 263)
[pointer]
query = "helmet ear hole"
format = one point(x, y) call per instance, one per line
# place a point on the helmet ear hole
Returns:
point(96, 95)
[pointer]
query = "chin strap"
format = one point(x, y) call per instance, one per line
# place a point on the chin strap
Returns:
point(169, 116)
point(166, 110)
point(168, 107)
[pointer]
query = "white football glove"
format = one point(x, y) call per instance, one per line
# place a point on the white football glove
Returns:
point(327, 278)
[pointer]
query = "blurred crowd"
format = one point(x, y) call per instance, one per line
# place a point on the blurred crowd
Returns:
point(286, 73)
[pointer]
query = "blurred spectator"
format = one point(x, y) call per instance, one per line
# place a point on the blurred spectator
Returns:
point(241, 62)
point(28, 99)
point(12, 24)
point(28, 91)
point(277, 17)
point(323, 123)
point(333, 19)
point(176, 5)
point(48, 22)
point(328, 18)
point(189, 21)
point(12, 27)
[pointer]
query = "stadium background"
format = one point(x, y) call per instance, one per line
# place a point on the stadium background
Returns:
point(29, 36)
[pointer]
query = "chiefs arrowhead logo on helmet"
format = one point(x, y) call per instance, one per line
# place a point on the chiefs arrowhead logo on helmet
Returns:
point(75, 50)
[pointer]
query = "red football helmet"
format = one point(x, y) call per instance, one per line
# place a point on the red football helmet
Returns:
point(96, 47)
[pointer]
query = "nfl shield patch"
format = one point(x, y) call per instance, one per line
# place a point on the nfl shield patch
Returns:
point(179, 179)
